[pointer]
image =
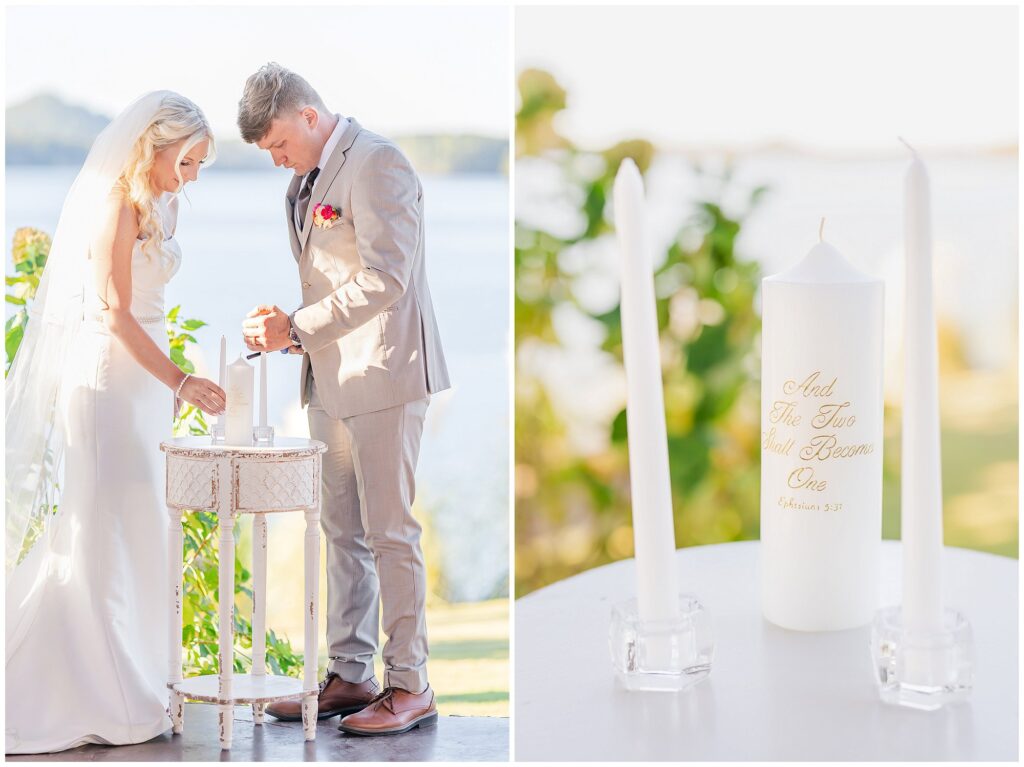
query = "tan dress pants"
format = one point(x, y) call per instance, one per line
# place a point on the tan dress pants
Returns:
point(375, 569)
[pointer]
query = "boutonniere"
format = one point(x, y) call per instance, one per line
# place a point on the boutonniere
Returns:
point(324, 216)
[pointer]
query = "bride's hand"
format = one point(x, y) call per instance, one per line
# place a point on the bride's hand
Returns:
point(204, 394)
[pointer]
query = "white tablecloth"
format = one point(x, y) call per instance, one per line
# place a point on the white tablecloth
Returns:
point(772, 694)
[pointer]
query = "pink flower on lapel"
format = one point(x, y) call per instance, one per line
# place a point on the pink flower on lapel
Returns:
point(325, 215)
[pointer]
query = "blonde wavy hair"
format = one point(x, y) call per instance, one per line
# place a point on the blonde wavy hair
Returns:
point(177, 119)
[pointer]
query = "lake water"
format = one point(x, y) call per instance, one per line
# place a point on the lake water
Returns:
point(236, 255)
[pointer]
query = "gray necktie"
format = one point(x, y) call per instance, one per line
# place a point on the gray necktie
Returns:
point(302, 204)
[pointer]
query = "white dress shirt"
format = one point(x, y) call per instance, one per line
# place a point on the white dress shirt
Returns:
point(329, 147)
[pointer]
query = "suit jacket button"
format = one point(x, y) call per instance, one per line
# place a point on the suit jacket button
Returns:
point(306, 285)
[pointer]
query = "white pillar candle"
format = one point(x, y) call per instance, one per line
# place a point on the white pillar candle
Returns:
point(921, 488)
point(821, 443)
point(238, 415)
point(650, 486)
point(263, 389)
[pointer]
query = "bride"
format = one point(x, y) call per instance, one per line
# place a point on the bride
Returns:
point(89, 398)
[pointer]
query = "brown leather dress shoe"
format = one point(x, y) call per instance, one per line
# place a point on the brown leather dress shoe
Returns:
point(336, 697)
point(392, 712)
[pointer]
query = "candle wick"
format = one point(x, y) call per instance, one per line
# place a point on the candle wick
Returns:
point(821, 230)
point(907, 144)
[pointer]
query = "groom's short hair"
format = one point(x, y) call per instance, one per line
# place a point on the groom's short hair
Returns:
point(268, 94)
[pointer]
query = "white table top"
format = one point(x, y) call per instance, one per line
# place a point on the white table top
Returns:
point(772, 694)
point(283, 445)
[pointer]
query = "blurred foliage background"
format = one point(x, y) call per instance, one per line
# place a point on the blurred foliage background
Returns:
point(571, 470)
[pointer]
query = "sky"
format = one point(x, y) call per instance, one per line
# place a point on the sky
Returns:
point(832, 78)
point(398, 70)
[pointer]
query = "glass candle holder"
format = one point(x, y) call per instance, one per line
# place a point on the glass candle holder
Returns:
point(217, 434)
point(663, 655)
point(263, 436)
point(922, 670)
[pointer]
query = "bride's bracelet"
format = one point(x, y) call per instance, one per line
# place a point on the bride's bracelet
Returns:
point(177, 392)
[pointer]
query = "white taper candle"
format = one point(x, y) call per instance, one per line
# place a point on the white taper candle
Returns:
point(263, 390)
point(921, 487)
point(223, 362)
point(650, 486)
point(222, 371)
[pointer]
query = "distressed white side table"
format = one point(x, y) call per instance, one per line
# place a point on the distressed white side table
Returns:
point(229, 481)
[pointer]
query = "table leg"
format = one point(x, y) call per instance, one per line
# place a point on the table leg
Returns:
point(312, 608)
point(226, 597)
point(259, 594)
point(176, 701)
point(259, 604)
point(309, 712)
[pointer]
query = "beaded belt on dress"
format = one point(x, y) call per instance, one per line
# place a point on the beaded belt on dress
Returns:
point(146, 320)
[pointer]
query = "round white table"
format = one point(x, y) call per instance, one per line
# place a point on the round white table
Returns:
point(772, 694)
point(232, 480)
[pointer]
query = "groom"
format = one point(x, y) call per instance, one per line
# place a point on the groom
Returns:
point(371, 359)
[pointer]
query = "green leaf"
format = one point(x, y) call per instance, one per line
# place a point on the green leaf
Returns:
point(689, 460)
point(179, 359)
point(757, 194)
point(15, 300)
point(13, 341)
point(593, 207)
point(619, 427)
point(192, 324)
point(708, 349)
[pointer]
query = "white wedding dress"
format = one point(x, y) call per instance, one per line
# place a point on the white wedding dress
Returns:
point(87, 652)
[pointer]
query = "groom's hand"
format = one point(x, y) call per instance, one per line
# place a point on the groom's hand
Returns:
point(265, 329)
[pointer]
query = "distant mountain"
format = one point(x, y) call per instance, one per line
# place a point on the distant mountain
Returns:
point(455, 154)
point(46, 130)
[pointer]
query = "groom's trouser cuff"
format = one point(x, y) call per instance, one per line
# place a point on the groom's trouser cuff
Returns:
point(351, 670)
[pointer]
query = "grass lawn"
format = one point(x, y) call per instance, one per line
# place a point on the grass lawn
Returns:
point(469, 657)
point(979, 463)
point(468, 667)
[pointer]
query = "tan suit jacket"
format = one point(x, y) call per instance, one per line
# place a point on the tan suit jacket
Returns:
point(367, 322)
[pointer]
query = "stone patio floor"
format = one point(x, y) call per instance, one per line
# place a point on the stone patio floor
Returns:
point(455, 739)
